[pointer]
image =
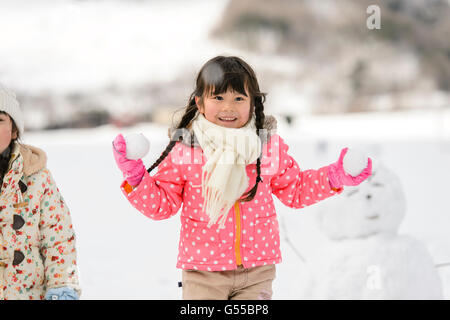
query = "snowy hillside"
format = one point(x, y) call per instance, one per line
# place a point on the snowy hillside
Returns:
point(66, 45)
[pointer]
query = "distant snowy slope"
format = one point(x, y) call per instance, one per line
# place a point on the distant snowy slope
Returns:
point(66, 45)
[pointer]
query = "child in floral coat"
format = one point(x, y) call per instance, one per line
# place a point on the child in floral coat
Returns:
point(37, 241)
point(223, 163)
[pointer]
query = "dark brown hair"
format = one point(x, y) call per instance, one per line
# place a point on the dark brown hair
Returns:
point(215, 77)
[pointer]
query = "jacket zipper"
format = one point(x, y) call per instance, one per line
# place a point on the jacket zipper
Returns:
point(237, 244)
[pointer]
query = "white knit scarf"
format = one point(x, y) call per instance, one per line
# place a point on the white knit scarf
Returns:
point(228, 151)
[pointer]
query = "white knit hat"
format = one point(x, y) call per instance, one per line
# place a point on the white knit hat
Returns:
point(10, 105)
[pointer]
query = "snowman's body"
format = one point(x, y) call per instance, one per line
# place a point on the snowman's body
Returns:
point(381, 266)
point(365, 257)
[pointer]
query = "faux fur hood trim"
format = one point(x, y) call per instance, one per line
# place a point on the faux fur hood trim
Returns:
point(34, 159)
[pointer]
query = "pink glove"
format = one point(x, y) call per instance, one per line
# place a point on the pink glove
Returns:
point(338, 177)
point(133, 170)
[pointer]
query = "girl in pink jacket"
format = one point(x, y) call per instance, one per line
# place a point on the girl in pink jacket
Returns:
point(224, 161)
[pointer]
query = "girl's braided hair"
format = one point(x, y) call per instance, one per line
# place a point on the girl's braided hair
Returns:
point(215, 77)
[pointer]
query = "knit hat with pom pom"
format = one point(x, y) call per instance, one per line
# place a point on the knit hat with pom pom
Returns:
point(10, 105)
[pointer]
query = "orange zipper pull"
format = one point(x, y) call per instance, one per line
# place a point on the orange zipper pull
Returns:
point(238, 234)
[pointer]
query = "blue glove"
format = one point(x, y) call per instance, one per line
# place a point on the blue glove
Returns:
point(63, 293)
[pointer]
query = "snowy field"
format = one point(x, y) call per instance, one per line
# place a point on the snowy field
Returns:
point(124, 255)
point(64, 45)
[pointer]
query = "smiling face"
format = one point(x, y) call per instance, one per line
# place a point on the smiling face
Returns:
point(376, 205)
point(230, 109)
point(6, 131)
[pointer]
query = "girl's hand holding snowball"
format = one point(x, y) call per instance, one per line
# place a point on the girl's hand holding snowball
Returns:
point(351, 169)
point(128, 153)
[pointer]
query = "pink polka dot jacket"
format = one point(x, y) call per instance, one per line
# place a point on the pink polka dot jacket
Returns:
point(251, 234)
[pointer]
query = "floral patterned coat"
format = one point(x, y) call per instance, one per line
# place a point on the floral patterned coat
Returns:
point(37, 241)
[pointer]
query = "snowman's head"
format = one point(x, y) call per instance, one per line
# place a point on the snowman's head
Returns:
point(376, 205)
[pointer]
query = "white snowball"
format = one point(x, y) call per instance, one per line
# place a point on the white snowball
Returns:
point(137, 146)
point(354, 162)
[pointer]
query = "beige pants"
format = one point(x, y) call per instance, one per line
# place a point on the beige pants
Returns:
point(2, 280)
point(239, 284)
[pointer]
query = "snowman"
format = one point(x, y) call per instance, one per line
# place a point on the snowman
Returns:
point(365, 257)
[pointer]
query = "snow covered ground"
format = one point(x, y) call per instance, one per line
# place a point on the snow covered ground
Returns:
point(124, 255)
